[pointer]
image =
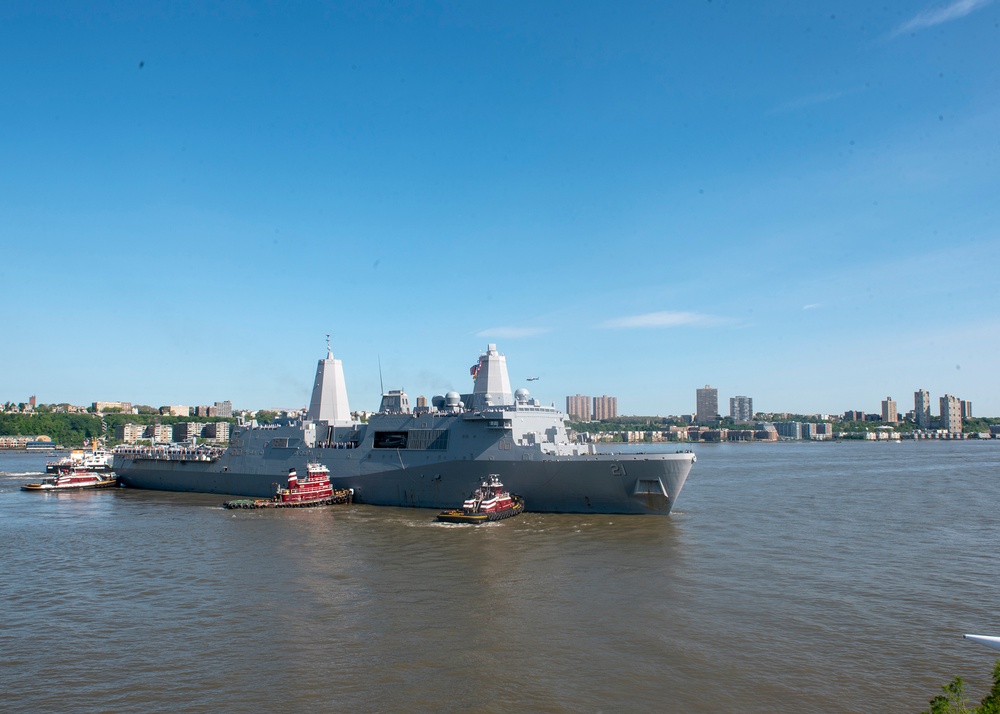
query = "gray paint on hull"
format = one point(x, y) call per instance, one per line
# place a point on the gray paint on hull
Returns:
point(595, 484)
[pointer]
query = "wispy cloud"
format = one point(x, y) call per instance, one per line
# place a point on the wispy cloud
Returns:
point(812, 306)
point(511, 332)
point(929, 18)
point(666, 318)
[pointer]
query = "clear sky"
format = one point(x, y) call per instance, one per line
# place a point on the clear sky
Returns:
point(797, 202)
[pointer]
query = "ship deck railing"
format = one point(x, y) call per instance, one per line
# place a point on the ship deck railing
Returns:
point(153, 453)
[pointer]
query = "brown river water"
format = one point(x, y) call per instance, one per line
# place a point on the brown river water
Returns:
point(792, 577)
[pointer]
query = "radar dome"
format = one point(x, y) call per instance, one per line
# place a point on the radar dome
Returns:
point(453, 399)
point(521, 395)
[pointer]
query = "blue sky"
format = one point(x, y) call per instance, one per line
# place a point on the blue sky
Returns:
point(799, 202)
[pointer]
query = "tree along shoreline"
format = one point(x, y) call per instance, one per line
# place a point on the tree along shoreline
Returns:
point(70, 430)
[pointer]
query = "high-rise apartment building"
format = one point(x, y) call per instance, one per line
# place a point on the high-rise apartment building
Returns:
point(889, 413)
point(578, 408)
point(951, 414)
point(187, 430)
point(225, 409)
point(160, 433)
point(217, 430)
point(129, 433)
point(922, 408)
point(605, 407)
point(966, 409)
point(741, 409)
point(708, 405)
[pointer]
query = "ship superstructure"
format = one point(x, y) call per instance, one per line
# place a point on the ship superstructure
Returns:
point(429, 457)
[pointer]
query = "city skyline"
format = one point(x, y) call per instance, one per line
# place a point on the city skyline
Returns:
point(587, 408)
point(786, 202)
point(583, 407)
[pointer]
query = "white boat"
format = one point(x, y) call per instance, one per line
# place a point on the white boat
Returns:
point(987, 640)
point(89, 459)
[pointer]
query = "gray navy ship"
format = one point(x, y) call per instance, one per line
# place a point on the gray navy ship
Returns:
point(427, 457)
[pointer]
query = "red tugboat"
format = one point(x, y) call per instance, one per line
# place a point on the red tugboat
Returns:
point(489, 502)
point(314, 490)
point(73, 479)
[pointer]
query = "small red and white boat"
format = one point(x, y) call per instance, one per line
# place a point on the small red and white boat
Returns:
point(489, 502)
point(313, 490)
point(73, 479)
point(314, 487)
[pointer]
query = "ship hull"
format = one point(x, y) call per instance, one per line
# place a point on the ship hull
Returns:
point(598, 483)
point(431, 457)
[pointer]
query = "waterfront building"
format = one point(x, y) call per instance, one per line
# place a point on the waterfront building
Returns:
point(159, 433)
point(854, 416)
point(922, 408)
point(966, 409)
point(216, 430)
point(789, 429)
point(765, 431)
point(817, 432)
point(707, 402)
point(741, 408)
point(129, 433)
point(605, 407)
point(951, 414)
point(186, 430)
point(578, 407)
point(889, 413)
point(224, 409)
